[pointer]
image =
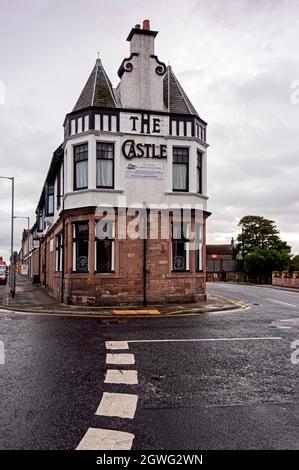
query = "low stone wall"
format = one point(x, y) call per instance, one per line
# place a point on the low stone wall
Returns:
point(285, 279)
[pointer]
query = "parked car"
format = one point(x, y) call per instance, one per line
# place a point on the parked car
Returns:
point(3, 274)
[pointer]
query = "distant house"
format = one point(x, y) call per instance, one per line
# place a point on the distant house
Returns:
point(221, 262)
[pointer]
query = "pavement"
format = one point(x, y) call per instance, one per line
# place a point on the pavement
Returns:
point(225, 380)
point(288, 289)
point(36, 299)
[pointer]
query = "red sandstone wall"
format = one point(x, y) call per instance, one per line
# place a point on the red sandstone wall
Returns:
point(285, 280)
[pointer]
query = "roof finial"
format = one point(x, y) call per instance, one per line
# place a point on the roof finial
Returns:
point(98, 54)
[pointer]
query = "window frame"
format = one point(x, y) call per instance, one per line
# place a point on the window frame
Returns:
point(112, 249)
point(40, 224)
point(198, 251)
point(109, 159)
point(76, 240)
point(50, 193)
point(183, 240)
point(186, 163)
point(75, 147)
point(58, 189)
point(58, 252)
point(199, 173)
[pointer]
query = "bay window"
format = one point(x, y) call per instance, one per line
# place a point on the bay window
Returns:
point(180, 169)
point(81, 166)
point(105, 165)
point(80, 247)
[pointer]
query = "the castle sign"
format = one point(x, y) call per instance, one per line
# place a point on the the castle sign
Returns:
point(132, 149)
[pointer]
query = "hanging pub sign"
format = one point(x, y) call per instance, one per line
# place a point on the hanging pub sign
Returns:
point(131, 149)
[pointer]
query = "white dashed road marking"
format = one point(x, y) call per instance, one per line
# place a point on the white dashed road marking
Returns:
point(121, 405)
point(126, 359)
point(199, 340)
point(105, 439)
point(128, 377)
point(117, 345)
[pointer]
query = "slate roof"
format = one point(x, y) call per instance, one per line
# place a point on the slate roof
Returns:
point(56, 162)
point(220, 249)
point(97, 91)
point(179, 101)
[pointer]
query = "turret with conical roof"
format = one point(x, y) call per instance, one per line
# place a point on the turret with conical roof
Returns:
point(175, 98)
point(97, 91)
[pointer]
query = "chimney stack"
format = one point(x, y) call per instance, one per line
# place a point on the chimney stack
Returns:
point(141, 84)
point(146, 25)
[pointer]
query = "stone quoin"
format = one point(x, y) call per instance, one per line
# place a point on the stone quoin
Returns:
point(141, 145)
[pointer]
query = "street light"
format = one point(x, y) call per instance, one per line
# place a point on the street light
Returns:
point(12, 271)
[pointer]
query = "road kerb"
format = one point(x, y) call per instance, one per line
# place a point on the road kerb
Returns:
point(134, 313)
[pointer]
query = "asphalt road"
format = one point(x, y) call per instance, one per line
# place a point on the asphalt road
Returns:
point(232, 387)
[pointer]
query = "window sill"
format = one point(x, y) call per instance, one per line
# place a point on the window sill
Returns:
point(80, 189)
point(95, 190)
point(186, 271)
point(81, 274)
point(104, 272)
point(106, 187)
point(186, 193)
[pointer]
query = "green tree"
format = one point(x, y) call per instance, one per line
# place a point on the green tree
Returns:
point(262, 261)
point(261, 248)
point(258, 232)
point(294, 265)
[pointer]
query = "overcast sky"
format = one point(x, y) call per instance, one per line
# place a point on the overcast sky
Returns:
point(236, 60)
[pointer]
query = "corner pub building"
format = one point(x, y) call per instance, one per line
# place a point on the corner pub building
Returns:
point(139, 145)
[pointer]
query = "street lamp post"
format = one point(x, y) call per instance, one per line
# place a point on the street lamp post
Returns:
point(12, 264)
